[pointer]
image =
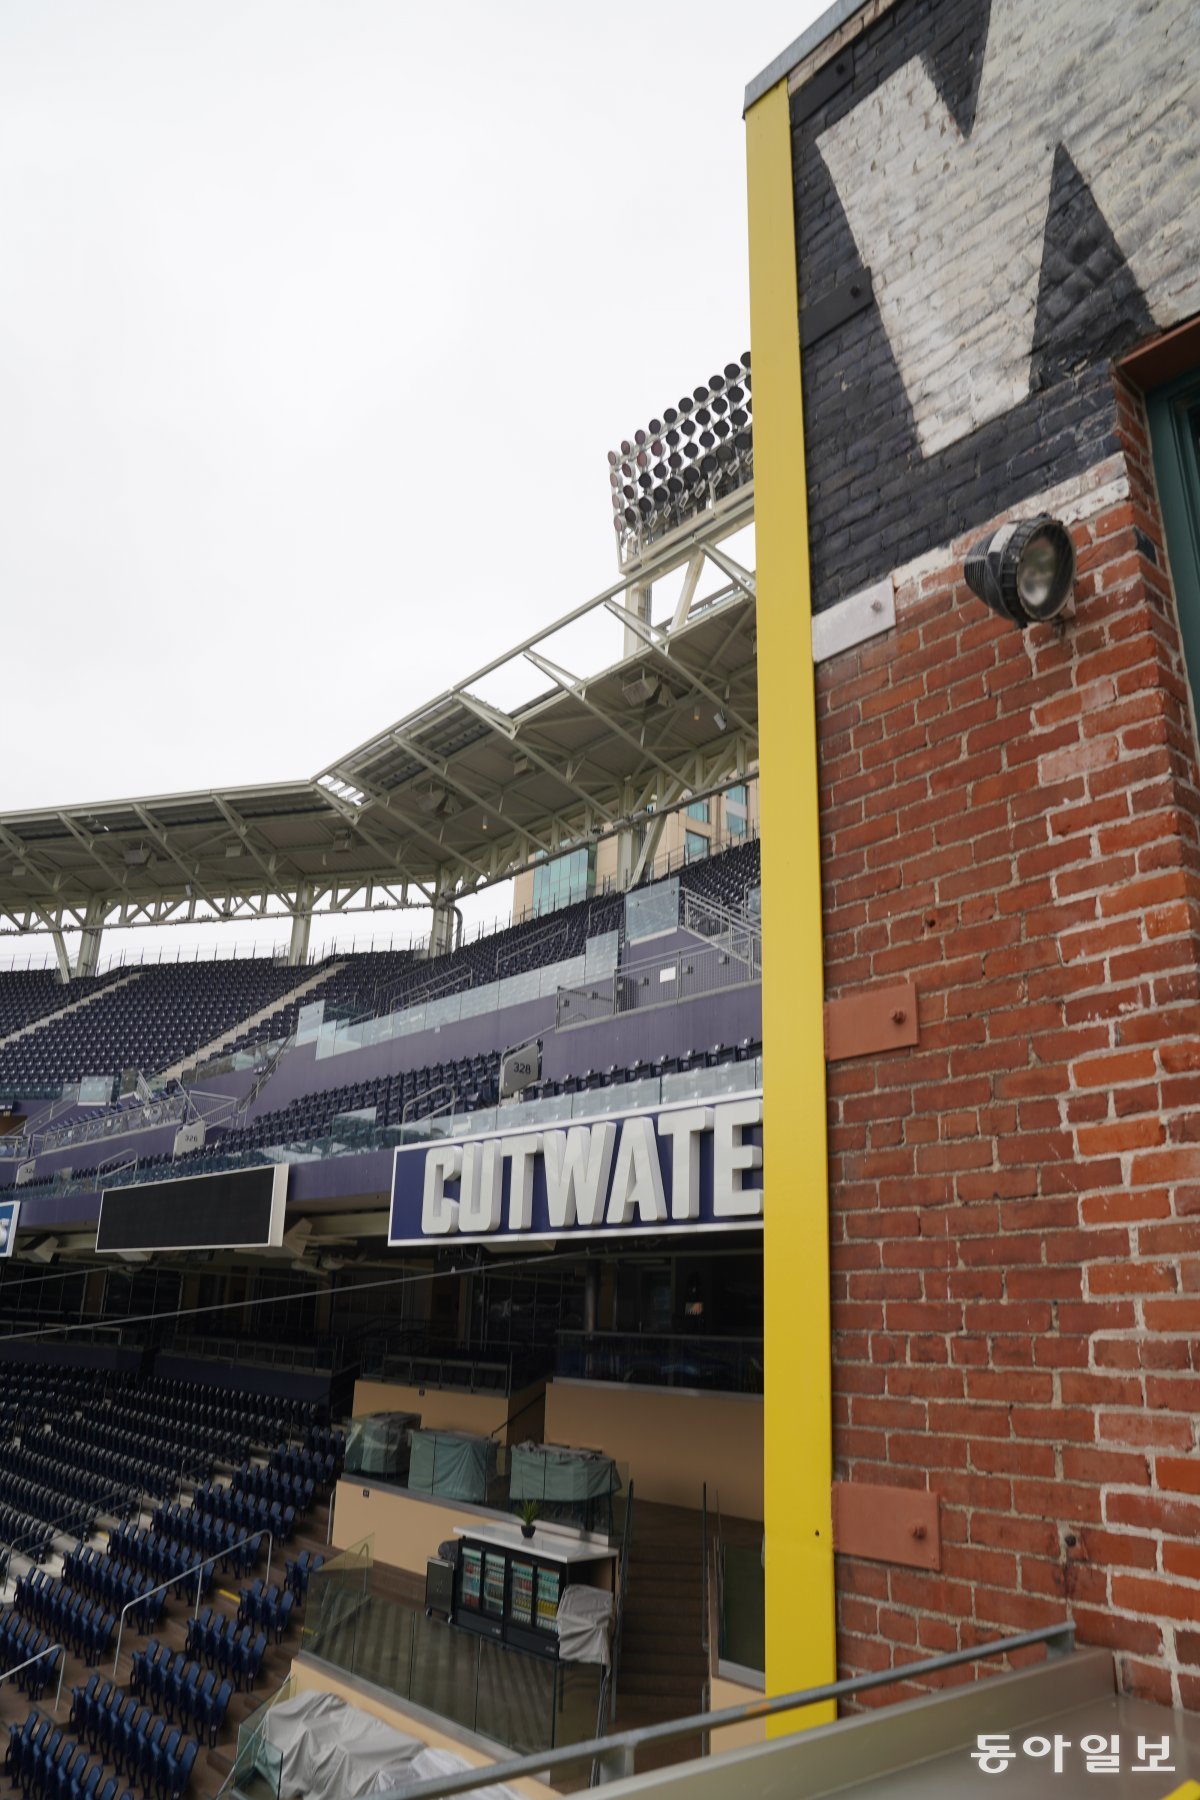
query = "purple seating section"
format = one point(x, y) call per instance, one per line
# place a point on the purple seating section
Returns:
point(27, 995)
point(170, 1010)
point(166, 1012)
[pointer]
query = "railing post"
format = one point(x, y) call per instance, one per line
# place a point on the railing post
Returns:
point(616, 1764)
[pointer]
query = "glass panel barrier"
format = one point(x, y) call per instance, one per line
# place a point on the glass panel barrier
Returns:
point(355, 1136)
point(728, 1364)
point(337, 1597)
point(743, 1616)
point(523, 1701)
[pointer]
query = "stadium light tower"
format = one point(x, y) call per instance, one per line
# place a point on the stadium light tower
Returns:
point(684, 479)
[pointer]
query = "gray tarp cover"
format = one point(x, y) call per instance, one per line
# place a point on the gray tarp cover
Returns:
point(547, 1472)
point(332, 1751)
point(437, 1762)
point(452, 1464)
point(378, 1443)
point(583, 1620)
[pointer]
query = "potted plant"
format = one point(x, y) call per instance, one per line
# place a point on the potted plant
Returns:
point(529, 1513)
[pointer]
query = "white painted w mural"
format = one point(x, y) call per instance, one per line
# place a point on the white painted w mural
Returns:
point(951, 221)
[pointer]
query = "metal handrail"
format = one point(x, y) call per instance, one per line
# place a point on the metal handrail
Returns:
point(529, 1404)
point(30, 1660)
point(18, 1547)
point(602, 1716)
point(705, 1643)
point(616, 1754)
point(196, 1569)
point(619, 1609)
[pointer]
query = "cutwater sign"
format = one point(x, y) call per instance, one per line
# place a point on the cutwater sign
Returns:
point(684, 1167)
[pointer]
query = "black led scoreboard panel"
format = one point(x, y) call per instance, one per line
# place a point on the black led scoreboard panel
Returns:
point(236, 1209)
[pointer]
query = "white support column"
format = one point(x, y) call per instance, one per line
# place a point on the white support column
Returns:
point(443, 935)
point(637, 601)
point(626, 842)
point(89, 939)
point(61, 957)
point(301, 926)
point(650, 843)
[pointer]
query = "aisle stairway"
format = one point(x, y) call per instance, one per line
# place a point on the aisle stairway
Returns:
point(663, 1667)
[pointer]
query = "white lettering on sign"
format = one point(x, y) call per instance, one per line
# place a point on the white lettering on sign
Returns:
point(481, 1190)
point(577, 1173)
point(637, 1179)
point(684, 1129)
point(643, 1171)
point(731, 1158)
point(521, 1151)
point(439, 1214)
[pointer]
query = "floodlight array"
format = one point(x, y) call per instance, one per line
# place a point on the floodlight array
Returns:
point(699, 451)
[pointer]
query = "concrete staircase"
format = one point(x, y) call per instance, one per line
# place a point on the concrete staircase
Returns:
point(195, 1059)
point(663, 1664)
point(73, 1006)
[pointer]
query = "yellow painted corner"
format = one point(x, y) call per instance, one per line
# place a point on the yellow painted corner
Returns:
point(797, 1412)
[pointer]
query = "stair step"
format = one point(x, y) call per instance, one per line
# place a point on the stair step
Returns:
point(655, 1642)
point(681, 1606)
point(684, 1689)
point(636, 1669)
point(670, 1549)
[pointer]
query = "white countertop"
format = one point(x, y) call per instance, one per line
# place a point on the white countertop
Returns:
point(547, 1545)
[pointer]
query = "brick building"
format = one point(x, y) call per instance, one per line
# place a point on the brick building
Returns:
point(997, 272)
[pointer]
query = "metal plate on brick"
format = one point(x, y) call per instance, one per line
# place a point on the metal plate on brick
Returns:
point(887, 1524)
point(822, 316)
point(854, 620)
point(874, 1019)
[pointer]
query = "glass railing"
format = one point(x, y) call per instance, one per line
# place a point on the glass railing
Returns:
point(412, 1359)
point(256, 1056)
point(334, 1037)
point(743, 1607)
point(257, 1772)
point(511, 1697)
point(728, 1364)
point(142, 1115)
point(355, 1136)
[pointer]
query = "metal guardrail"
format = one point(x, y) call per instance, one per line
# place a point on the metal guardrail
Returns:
point(619, 1610)
point(29, 1662)
point(196, 1569)
point(662, 1359)
point(297, 1357)
point(616, 1755)
point(705, 1639)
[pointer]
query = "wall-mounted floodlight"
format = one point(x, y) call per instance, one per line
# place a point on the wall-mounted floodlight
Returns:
point(1023, 571)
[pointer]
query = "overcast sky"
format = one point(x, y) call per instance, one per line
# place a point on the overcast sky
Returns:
point(317, 318)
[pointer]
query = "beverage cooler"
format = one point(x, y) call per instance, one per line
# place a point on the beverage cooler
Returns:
point(510, 1594)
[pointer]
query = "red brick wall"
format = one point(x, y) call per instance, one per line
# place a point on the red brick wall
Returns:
point(1012, 820)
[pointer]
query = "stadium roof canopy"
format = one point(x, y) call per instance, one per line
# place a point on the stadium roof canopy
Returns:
point(462, 793)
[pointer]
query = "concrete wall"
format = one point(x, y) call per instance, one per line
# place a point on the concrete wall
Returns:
point(300, 1071)
point(672, 1440)
point(724, 1018)
point(724, 1693)
point(450, 1409)
point(406, 1528)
